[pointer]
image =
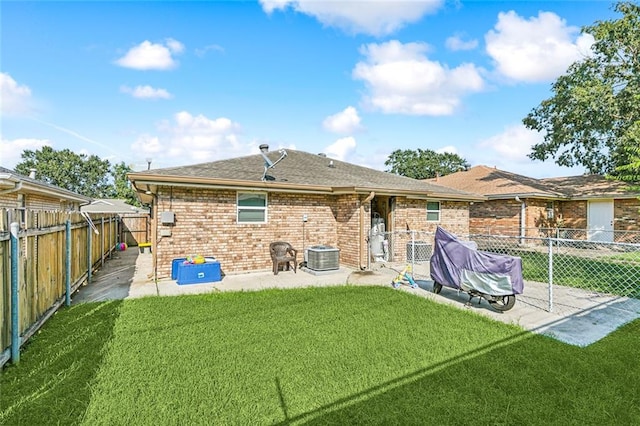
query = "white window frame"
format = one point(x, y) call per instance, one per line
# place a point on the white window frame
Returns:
point(438, 211)
point(238, 207)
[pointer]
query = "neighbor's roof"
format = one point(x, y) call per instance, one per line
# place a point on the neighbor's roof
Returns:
point(112, 205)
point(591, 186)
point(14, 182)
point(499, 184)
point(299, 171)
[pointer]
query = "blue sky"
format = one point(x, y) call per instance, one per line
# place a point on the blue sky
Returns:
point(189, 82)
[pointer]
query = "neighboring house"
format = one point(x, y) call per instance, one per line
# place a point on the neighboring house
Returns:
point(27, 193)
point(135, 221)
point(233, 209)
point(597, 207)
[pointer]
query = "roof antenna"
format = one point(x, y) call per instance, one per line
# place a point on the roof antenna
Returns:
point(268, 164)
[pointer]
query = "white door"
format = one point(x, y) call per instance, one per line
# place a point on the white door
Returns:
point(600, 220)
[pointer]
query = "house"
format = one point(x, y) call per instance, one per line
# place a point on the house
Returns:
point(27, 193)
point(585, 207)
point(135, 225)
point(233, 209)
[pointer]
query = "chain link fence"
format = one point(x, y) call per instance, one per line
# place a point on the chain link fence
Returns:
point(561, 274)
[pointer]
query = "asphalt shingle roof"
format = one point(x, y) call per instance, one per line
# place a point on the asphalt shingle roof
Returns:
point(301, 169)
point(44, 185)
point(495, 183)
point(591, 186)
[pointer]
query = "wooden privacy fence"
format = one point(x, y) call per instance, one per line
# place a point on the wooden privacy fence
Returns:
point(52, 253)
point(135, 229)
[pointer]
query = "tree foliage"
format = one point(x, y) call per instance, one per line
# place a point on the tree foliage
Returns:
point(424, 163)
point(593, 117)
point(86, 175)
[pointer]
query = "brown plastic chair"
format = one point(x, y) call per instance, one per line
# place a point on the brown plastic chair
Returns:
point(282, 253)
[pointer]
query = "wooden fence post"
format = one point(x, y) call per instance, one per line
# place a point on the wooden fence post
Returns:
point(15, 324)
point(67, 252)
point(90, 257)
point(102, 242)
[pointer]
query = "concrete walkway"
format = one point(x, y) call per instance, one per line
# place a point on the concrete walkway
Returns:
point(581, 321)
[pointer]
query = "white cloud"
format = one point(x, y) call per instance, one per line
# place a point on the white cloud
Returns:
point(538, 49)
point(146, 92)
point(190, 139)
point(201, 52)
point(401, 79)
point(449, 148)
point(15, 97)
point(174, 45)
point(456, 42)
point(513, 144)
point(375, 17)
point(508, 151)
point(344, 122)
point(341, 149)
point(12, 149)
point(152, 56)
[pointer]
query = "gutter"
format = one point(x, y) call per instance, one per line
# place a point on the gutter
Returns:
point(17, 187)
point(146, 184)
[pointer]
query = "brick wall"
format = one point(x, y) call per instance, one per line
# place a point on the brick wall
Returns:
point(347, 209)
point(501, 216)
point(411, 215)
point(206, 224)
point(32, 201)
point(573, 214)
point(626, 215)
point(9, 201)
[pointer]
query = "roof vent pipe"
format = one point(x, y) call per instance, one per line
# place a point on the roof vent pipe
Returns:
point(264, 147)
point(32, 173)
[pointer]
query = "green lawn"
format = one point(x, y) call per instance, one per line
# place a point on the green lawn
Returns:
point(341, 355)
point(619, 274)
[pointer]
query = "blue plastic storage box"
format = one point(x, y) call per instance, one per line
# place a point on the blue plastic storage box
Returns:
point(189, 273)
point(174, 267)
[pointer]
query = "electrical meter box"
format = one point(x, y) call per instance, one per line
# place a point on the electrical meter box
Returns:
point(167, 218)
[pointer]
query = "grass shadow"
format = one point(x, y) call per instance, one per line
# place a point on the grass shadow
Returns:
point(58, 366)
point(517, 381)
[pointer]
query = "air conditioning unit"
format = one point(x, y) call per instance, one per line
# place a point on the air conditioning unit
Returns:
point(323, 258)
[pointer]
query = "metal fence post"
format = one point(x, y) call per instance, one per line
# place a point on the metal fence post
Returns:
point(15, 325)
point(413, 250)
point(67, 251)
point(90, 257)
point(550, 275)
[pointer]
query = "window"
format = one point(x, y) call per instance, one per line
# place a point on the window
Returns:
point(252, 207)
point(433, 211)
point(550, 210)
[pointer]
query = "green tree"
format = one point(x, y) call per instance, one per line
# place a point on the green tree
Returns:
point(121, 186)
point(424, 163)
point(593, 117)
point(86, 175)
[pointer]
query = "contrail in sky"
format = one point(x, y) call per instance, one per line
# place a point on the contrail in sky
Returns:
point(77, 135)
